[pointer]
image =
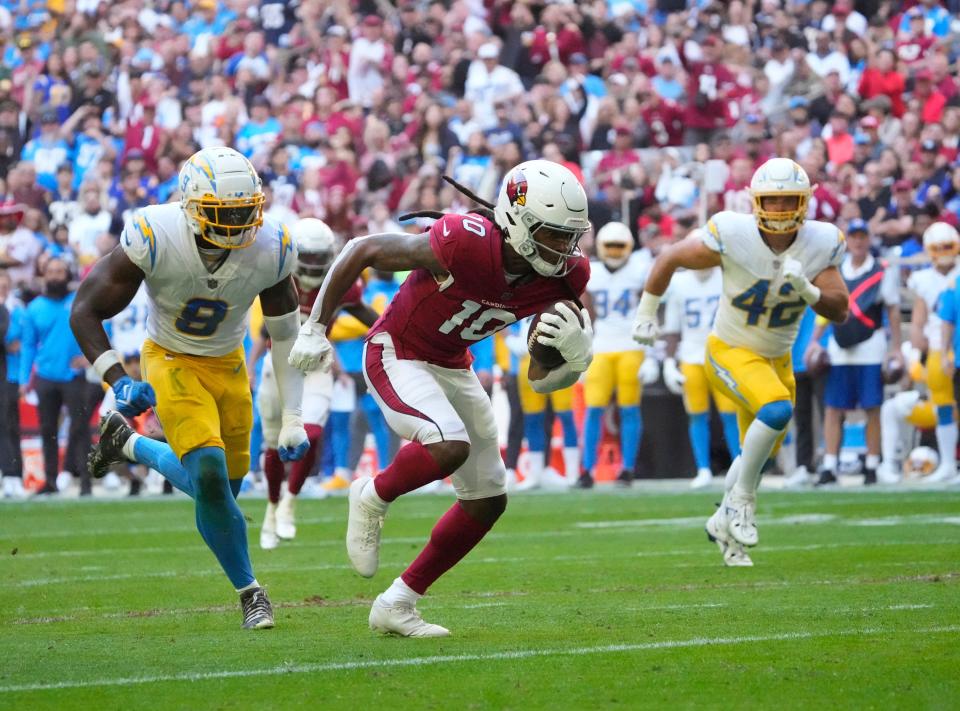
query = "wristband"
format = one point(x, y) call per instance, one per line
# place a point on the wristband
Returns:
point(647, 309)
point(809, 293)
point(105, 362)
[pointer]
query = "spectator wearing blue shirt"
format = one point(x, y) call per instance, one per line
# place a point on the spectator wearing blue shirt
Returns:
point(11, 461)
point(665, 83)
point(50, 354)
point(261, 131)
point(47, 151)
point(936, 18)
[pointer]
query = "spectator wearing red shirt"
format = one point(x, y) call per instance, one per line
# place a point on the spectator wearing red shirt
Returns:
point(840, 143)
point(708, 85)
point(943, 78)
point(662, 118)
point(616, 160)
point(928, 100)
point(882, 78)
point(917, 43)
point(145, 136)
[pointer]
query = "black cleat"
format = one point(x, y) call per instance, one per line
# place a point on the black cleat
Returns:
point(625, 478)
point(584, 482)
point(114, 433)
point(869, 477)
point(257, 610)
point(827, 478)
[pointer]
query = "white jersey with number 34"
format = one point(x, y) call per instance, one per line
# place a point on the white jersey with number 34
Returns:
point(615, 295)
point(760, 310)
point(191, 310)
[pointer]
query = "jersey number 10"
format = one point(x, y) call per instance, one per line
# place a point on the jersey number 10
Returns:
point(475, 332)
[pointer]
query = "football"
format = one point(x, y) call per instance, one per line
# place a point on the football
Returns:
point(547, 356)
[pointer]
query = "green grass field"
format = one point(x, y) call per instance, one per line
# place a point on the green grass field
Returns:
point(580, 601)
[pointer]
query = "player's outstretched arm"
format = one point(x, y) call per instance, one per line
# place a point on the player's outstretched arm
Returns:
point(281, 316)
point(107, 290)
point(689, 253)
point(391, 251)
point(834, 301)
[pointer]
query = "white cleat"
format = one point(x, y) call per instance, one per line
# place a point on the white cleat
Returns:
point(887, 475)
point(286, 520)
point(703, 478)
point(64, 481)
point(403, 620)
point(13, 488)
point(741, 519)
point(554, 480)
point(944, 473)
point(734, 555)
point(363, 531)
point(268, 531)
point(798, 480)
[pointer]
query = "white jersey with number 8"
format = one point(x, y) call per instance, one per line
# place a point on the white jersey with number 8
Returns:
point(192, 310)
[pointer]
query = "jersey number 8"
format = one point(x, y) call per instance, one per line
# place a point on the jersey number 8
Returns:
point(201, 317)
point(753, 301)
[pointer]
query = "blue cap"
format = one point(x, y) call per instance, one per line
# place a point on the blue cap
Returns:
point(861, 139)
point(798, 102)
point(857, 225)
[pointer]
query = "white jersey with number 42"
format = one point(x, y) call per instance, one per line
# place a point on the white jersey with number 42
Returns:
point(191, 310)
point(691, 308)
point(759, 310)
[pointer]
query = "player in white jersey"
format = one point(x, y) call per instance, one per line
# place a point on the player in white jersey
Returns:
point(203, 261)
point(691, 307)
point(616, 281)
point(942, 243)
point(128, 329)
point(774, 263)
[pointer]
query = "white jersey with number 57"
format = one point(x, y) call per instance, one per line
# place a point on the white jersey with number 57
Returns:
point(691, 309)
point(759, 310)
point(191, 310)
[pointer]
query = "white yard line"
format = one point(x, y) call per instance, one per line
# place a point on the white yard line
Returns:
point(437, 660)
point(475, 560)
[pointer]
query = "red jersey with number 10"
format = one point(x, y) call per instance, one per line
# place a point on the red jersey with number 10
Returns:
point(437, 321)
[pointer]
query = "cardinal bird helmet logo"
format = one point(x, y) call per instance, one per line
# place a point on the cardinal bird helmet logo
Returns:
point(517, 188)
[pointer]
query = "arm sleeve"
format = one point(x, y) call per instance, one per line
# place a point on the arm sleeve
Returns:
point(283, 333)
point(711, 236)
point(139, 243)
point(557, 379)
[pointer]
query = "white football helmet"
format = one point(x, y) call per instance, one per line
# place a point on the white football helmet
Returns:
point(222, 197)
point(539, 196)
point(780, 176)
point(315, 247)
point(922, 461)
point(942, 243)
point(614, 244)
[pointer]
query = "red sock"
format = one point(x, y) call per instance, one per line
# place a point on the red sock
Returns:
point(300, 470)
point(455, 535)
point(412, 468)
point(273, 470)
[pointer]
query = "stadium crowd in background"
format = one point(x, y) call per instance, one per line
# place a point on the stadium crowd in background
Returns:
point(353, 110)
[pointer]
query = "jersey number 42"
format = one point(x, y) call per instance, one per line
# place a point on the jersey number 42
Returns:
point(753, 301)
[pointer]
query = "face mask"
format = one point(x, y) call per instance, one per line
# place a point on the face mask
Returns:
point(56, 289)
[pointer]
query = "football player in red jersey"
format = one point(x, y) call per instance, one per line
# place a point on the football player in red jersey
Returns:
point(472, 275)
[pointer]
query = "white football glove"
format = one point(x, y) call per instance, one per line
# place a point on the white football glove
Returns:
point(673, 378)
point(645, 331)
point(292, 443)
point(312, 350)
point(565, 333)
point(792, 272)
point(649, 371)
